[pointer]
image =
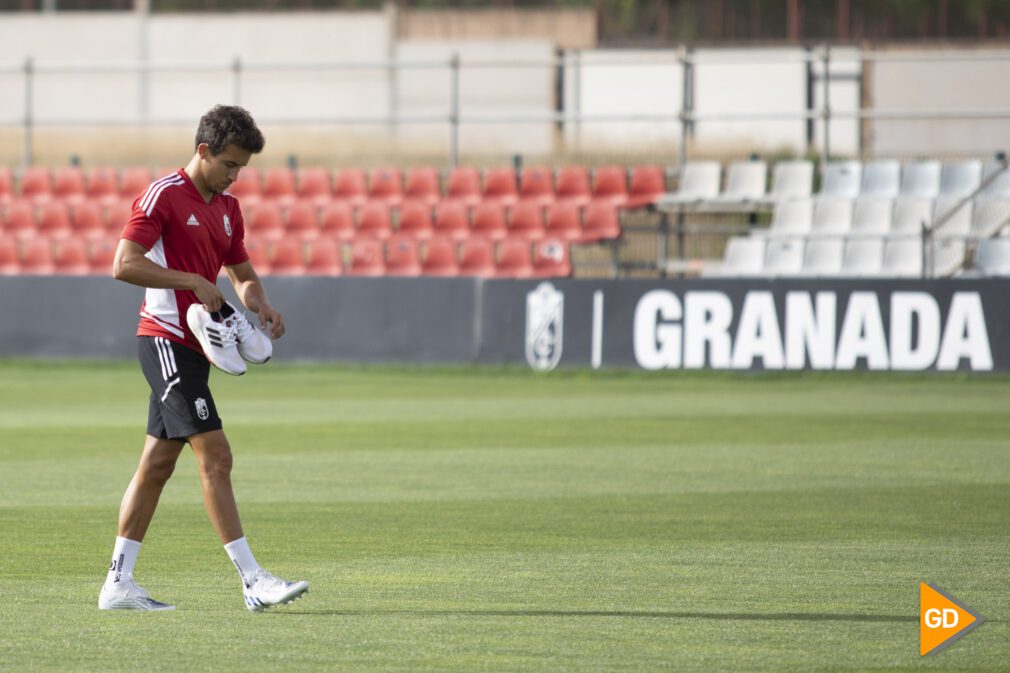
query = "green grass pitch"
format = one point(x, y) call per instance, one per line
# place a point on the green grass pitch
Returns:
point(499, 520)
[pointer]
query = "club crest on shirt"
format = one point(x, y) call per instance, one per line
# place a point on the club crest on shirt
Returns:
point(227, 225)
point(201, 409)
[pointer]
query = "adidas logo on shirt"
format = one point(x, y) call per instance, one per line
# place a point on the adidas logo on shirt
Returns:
point(192, 221)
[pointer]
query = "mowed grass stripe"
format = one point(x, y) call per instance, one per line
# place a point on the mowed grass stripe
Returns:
point(460, 519)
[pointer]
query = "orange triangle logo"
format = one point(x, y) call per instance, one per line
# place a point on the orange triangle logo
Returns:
point(942, 619)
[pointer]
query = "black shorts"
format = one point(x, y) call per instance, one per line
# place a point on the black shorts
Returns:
point(181, 403)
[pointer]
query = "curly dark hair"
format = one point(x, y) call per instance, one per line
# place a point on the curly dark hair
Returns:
point(229, 125)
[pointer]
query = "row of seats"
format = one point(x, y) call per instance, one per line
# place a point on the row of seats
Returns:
point(399, 256)
point(701, 184)
point(831, 216)
point(639, 187)
point(305, 220)
point(868, 257)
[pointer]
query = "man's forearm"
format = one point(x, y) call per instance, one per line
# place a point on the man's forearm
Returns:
point(145, 273)
point(252, 294)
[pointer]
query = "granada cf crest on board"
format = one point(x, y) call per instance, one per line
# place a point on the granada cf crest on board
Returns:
point(545, 317)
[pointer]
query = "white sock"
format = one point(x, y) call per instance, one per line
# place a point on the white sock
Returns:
point(124, 557)
point(240, 554)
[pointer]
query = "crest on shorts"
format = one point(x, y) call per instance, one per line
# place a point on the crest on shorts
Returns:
point(227, 225)
point(545, 315)
point(201, 409)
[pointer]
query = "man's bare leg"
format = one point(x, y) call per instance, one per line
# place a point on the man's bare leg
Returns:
point(136, 510)
point(157, 463)
point(213, 453)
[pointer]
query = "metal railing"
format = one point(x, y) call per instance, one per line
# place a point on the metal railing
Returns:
point(819, 62)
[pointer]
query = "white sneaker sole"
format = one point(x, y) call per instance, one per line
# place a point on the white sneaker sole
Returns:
point(296, 592)
point(133, 603)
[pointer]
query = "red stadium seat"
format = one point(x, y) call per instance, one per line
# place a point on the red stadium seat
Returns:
point(526, 220)
point(440, 258)
point(9, 264)
point(611, 184)
point(464, 185)
point(385, 185)
point(314, 185)
point(101, 256)
point(117, 216)
point(36, 184)
point(374, 221)
point(552, 259)
point(450, 220)
point(415, 219)
point(489, 220)
point(6, 185)
point(573, 185)
point(134, 181)
point(103, 185)
point(19, 218)
point(648, 183)
point(86, 220)
point(349, 186)
point(279, 186)
point(68, 184)
point(288, 258)
point(324, 258)
point(265, 221)
point(54, 220)
point(476, 257)
point(37, 256)
point(514, 259)
point(602, 222)
point(402, 257)
point(367, 258)
point(422, 185)
point(71, 257)
point(303, 221)
point(258, 255)
point(338, 221)
point(537, 184)
point(563, 221)
point(247, 187)
point(500, 185)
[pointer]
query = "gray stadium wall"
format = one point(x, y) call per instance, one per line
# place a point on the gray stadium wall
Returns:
point(938, 325)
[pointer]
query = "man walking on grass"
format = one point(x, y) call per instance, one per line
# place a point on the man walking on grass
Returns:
point(182, 231)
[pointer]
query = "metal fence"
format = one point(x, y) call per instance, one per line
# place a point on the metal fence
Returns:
point(819, 115)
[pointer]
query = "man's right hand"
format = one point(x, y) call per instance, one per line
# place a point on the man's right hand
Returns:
point(208, 293)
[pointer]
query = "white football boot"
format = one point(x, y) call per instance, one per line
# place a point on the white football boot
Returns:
point(218, 339)
point(265, 591)
point(126, 595)
point(254, 345)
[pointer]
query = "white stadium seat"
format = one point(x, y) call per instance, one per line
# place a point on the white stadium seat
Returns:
point(863, 257)
point(990, 217)
point(792, 217)
point(791, 180)
point(823, 257)
point(910, 213)
point(960, 178)
point(745, 182)
point(881, 178)
point(783, 257)
point(842, 178)
point(744, 256)
point(921, 179)
point(902, 257)
point(832, 216)
point(999, 188)
point(992, 257)
point(699, 182)
point(872, 216)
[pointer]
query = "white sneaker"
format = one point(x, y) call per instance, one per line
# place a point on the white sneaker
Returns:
point(253, 343)
point(219, 341)
point(265, 591)
point(126, 595)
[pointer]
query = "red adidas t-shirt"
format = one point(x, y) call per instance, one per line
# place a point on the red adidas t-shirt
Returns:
point(181, 231)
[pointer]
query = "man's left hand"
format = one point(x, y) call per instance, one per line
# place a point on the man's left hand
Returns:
point(269, 316)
